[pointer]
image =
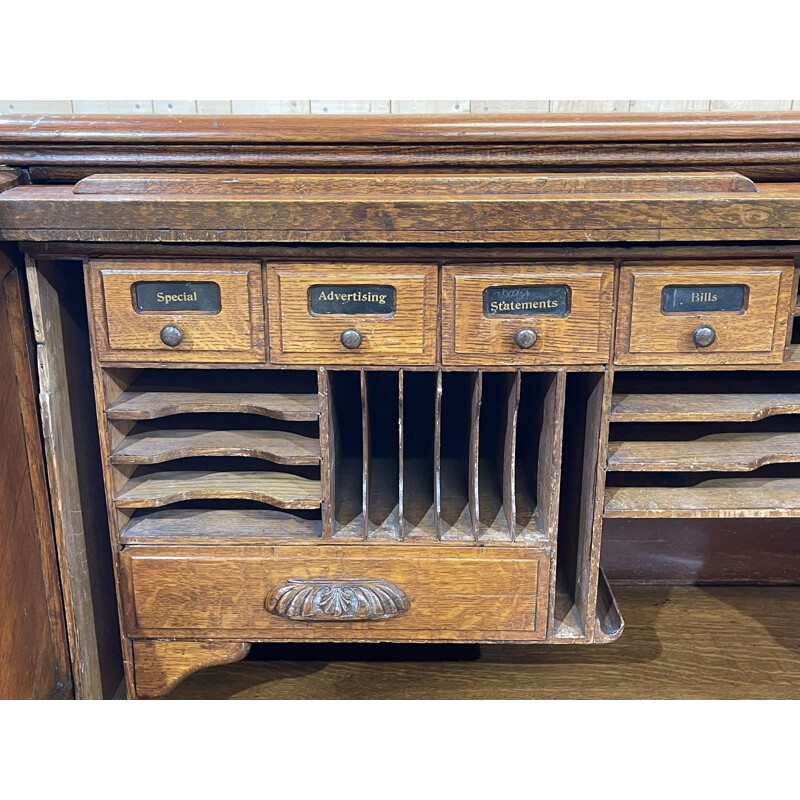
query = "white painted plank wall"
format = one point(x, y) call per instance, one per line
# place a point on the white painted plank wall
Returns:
point(382, 106)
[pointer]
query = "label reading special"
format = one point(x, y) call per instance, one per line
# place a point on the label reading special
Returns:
point(675, 299)
point(178, 296)
point(526, 300)
point(327, 299)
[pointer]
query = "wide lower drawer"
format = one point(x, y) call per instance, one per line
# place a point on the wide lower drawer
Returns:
point(331, 592)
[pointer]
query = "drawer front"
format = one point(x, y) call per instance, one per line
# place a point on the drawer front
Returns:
point(216, 307)
point(333, 592)
point(489, 312)
point(696, 313)
point(390, 313)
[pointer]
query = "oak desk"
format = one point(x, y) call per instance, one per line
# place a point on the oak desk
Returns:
point(339, 396)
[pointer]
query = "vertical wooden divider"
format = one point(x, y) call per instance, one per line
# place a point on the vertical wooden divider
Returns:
point(437, 458)
point(548, 484)
point(593, 488)
point(474, 446)
point(401, 520)
point(328, 451)
point(513, 389)
point(365, 455)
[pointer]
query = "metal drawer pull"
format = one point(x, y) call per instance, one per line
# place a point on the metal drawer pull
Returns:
point(171, 335)
point(525, 338)
point(704, 336)
point(325, 600)
point(351, 338)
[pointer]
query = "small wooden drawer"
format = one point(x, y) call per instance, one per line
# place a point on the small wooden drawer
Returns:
point(527, 313)
point(690, 312)
point(353, 313)
point(330, 592)
point(177, 310)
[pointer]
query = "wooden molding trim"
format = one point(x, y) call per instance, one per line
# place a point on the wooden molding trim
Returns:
point(159, 666)
point(392, 128)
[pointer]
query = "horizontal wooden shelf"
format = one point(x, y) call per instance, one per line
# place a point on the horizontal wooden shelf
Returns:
point(719, 498)
point(701, 407)
point(280, 489)
point(723, 452)
point(153, 405)
point(212, 526)
point(313, 187)
point(155, 447)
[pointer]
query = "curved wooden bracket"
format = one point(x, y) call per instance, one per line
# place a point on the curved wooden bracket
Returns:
point(159, 666)
point(331, 600)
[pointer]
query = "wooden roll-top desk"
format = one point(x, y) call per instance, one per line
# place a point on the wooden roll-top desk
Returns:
point(388, 379)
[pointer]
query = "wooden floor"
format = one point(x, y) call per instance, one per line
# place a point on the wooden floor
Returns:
point(679, 642)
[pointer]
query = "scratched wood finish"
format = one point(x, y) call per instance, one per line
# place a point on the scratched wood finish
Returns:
point(139, 405)
point(122, 333)
point(648, 336)
point(73, 468)
point(56, 213)
point(582, 336)
point(723, 407)
point(156, 489)
point(161, 665)
point(749, 649)
point(407, 336)
point(720, 497)
point(382, 128)
point(195, 526)
point(158, 446)
point(455, 593)
point(254, 183)
point(33, 641)
point(731, 452)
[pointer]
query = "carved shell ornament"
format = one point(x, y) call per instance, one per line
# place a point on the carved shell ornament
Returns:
point(337, 600)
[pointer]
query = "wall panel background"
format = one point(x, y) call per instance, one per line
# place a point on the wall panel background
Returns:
point(382, 106)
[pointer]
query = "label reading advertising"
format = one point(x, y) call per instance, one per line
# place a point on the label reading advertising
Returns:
point(177, 296)
point(675, 299)
point(526, 300)
point(326, 299)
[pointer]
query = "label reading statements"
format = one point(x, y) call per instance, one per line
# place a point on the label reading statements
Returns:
point(351, 299)
point(702, 298)
point(178, 296)
point(526, 300)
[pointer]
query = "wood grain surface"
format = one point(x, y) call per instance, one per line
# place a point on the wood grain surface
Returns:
point(369, 185)
point(122, 333)
point(722, 407)
point(408, 336)
point(731, 452)
point(582, 336)
point(646, 335)
point(160, 665)
point(455, 593)
point(33, 640)
point(382, 128)
point(158, 446)
point(727, 643)
point(55, 213)
point(719, 497)
point(156, 489)
point(138, 405)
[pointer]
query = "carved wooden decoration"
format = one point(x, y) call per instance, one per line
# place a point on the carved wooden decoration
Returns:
point(324, 600)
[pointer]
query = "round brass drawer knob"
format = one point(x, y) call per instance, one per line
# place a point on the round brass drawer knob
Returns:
point(704, 336)
point(351, 339)
point(525, 338)
point(171, 335)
